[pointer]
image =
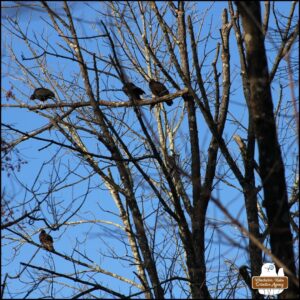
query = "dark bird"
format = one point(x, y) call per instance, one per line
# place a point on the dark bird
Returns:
point(246, 276)
point(243, 271)
point(159, 90)
point(42, 94)
point(46, 240)
point(132, 90)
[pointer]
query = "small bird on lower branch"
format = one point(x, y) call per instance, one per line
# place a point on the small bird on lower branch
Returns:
point(243, 271)
point(46, 240)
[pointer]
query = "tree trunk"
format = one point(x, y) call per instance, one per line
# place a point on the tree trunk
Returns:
point(271, 164)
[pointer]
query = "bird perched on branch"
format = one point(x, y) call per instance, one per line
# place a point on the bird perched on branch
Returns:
point(132, 90)
point(243, 271)
point(46, 240)
point(159, 90)
point(42, 94)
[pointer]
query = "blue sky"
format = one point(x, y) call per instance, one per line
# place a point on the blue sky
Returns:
point(98, 204)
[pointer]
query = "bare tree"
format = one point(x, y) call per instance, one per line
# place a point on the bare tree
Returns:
point(151, 179)
point(270, 159)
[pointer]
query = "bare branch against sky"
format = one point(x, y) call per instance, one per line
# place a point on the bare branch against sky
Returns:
point(149, 148)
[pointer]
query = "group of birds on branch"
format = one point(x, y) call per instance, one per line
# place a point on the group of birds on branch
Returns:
point(131, 90)
point(157, 88)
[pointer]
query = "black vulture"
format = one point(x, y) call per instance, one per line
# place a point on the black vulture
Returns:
point(159, 90)
point(46, 240)
point(132, 90)
point(42, 94)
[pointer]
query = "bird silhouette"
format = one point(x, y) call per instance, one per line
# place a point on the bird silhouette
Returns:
point(243, 270)
point(46, 240)
point(42, 94)
point(158, 89)
point(131, 90)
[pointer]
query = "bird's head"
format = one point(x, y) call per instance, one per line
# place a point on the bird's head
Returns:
point(32, 97)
